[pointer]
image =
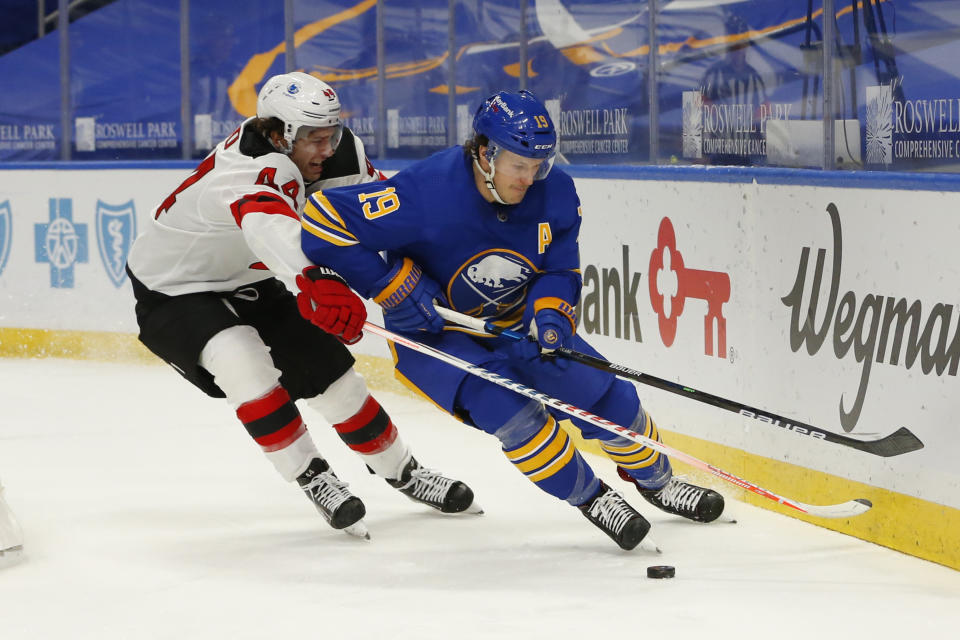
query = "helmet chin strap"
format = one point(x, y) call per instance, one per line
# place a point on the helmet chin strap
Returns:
point(278, 146)
point(488, 177)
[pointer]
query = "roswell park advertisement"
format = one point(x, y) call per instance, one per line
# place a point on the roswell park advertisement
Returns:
point(737, 82)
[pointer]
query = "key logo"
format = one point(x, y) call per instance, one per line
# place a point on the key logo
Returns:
point(116, 231)
point(60, 243)
point(671, 283)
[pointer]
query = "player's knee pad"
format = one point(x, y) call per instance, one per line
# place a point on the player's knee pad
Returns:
point(522, 425)
point(342, 399)
point(240, 364)
point(620, 404)
point(488, 405)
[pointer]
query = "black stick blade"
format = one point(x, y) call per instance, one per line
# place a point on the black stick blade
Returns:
point(899, 442)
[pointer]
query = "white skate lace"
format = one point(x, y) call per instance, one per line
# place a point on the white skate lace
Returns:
point(680, 495)
point(427, 485)
point(611, 511)
point(327, 490)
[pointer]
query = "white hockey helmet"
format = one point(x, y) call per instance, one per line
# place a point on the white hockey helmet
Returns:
point(300, 100)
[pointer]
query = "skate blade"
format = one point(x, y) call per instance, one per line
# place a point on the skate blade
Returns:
point(474, 508)
point(358, 529)
point(11, 556)
point(648, 545)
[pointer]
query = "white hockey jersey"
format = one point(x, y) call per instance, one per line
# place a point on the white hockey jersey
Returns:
point(235, 219)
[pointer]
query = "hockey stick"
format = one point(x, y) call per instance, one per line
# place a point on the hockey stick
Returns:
point(843, 510)
point(894, 444)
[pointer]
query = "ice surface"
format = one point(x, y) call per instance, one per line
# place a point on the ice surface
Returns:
point(149, 513)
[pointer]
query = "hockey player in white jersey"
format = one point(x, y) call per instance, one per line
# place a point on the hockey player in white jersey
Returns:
point(215, 277)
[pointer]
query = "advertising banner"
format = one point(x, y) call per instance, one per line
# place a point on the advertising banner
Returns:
point(738, 81)
point(64, 241)
point(834, 307)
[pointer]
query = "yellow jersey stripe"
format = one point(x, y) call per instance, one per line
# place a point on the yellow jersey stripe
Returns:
point(322, 218)
point(323, 234)
point(320, 201)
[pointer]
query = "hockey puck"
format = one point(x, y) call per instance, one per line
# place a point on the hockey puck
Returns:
point(661, 571)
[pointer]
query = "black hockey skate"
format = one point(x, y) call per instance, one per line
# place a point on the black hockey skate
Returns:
point(615, 517)
point(428, 487)
point(681, 498)
point(329, 494)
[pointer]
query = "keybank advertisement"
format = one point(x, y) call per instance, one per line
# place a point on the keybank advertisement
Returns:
point(729, 69)
point(833, 307)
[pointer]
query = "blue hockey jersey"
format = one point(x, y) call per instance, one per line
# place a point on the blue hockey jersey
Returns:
point(489, 259)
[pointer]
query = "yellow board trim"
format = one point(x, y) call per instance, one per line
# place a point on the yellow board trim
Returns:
point(911, 525)
point(81, 345)
point(904, 523)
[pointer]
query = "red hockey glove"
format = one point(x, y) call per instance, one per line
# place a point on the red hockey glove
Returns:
point(327, 301)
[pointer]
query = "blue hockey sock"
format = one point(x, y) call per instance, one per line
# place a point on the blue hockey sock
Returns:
point(551, 461)
point(649, 468)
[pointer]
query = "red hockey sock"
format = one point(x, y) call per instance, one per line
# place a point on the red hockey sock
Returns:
point(272, 420)
point(369, 431)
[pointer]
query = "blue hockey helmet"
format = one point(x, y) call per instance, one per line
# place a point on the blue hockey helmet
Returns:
point(519, 123)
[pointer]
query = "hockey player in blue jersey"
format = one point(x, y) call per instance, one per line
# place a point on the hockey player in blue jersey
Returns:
point(490, 229)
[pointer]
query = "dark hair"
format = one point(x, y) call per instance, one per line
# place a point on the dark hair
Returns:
point(267, 126)
point(471, 146)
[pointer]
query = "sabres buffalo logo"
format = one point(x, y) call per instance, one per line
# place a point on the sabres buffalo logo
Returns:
point(490, 283)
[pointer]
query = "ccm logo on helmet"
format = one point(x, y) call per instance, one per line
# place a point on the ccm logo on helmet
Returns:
point(543, 146)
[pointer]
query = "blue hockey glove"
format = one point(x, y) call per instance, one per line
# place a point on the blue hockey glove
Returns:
point(552, 326)
point(407, 296)
point(552, 329)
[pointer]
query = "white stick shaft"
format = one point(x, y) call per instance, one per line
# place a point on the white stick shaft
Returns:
point(843, 510)
point(462, 319)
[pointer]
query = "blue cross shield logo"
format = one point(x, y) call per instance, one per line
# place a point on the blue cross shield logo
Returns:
point(61, 243)
point(116, 230)
point(6, 230)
